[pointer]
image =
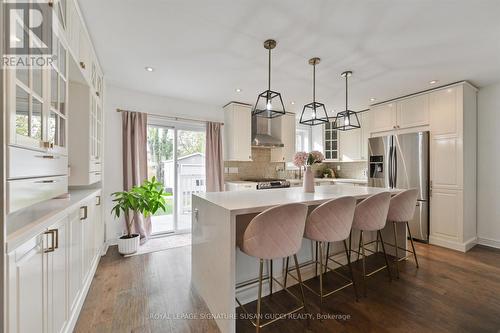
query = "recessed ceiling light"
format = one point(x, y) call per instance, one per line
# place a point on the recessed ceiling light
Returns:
point(433, 82)
point(237, 90)
point(373, 99)
point(149, 69)
point(292, 102)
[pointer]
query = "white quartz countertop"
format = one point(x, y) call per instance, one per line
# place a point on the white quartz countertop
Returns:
point(244, 202)
point(31, 221)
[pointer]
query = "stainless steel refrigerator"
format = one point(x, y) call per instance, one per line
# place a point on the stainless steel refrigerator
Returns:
point(402, 161)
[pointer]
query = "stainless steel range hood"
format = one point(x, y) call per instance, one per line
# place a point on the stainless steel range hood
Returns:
point(261, 133)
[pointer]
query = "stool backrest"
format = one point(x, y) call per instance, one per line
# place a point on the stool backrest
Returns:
point(276, 232)
point(402, 206)
point(371, 213)
point(331, 221)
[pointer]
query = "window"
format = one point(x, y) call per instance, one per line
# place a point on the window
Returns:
point(303, 139)
point(331, 142)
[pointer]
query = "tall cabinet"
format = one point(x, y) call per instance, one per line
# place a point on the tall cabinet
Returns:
point(453, 120)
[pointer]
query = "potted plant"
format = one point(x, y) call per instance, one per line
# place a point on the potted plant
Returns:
point(145, 200)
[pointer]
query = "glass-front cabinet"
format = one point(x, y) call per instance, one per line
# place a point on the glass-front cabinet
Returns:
point(37, 103)
point(331, 142)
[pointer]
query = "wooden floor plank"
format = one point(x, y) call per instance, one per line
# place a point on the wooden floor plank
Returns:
point(450, 292)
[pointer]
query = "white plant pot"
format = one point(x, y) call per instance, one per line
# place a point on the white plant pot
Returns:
point(308, 180)
point(128, 245)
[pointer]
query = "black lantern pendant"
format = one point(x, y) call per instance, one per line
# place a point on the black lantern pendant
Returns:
point(269, 103)
point(346, 120)
point(314, 113)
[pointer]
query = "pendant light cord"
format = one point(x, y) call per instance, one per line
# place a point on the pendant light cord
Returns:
point(346, 96)
point(314, 86)
point(269, 72)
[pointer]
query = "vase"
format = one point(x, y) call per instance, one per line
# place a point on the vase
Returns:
point(308, 180)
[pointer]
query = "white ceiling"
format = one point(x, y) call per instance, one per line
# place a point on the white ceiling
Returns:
point(203, 50)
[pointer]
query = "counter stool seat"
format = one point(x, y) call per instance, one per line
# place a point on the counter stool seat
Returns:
point(275, 233)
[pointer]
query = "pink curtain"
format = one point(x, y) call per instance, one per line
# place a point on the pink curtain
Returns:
point(135, 165)
point(214, 161)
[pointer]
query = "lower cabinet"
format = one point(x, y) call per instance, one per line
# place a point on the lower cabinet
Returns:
point(48, 275)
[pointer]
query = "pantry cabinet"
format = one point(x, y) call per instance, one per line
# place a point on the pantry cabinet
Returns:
point(237, 132)
point(49, 275)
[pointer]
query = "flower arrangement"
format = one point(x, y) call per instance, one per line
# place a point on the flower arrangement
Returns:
point(302, 159)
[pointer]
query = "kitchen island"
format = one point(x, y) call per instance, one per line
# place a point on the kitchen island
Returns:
point(219, 218)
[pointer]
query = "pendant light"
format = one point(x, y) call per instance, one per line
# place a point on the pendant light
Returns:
point(269, 103)
point(314, 113)
point(346, 120)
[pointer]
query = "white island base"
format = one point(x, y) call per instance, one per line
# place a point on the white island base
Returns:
point(219, 218)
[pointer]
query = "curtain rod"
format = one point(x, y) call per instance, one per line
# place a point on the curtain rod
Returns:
point(171, 117)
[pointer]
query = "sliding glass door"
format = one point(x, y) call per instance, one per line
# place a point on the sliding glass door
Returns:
point(176, 157)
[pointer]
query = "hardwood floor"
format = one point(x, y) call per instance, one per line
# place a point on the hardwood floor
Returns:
point(450, 292)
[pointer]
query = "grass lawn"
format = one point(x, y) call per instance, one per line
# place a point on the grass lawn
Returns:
point(169, 207)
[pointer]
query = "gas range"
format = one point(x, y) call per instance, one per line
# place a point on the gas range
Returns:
point(269, 183)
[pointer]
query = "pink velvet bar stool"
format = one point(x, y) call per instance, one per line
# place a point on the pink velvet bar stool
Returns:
point(401, 210)
point(371, 215)
point(331, 222)
point(275, 233)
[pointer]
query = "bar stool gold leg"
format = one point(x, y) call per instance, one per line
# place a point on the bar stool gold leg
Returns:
point(321, 276)
point(412, 246)
point(396, 248)
point(316, 264)
point(327, 254)
point(376, 243)
point(359, 244)
point(362, 245)
point(271, 277)
point(299, 277)
point(385, 256)
point(350, 249)
point(350, 270)
point(286, 272)
point(259, 299)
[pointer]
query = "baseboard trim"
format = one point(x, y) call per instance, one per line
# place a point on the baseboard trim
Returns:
point(452, 244)
point(73, 318)
point(489, 242)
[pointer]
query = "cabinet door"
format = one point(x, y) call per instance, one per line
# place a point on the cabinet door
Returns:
point(413, 111)
point(75, 247)
point(57, 278)
point(446, 212)
point(350, 145)
point(237, 132)
point(73, 29)
point(58, 114)
point(99, 225)
point(284, 128)
point(26, 288)
point(383, 117)
point(88, 236)
point(445, 113)
point(84, 52)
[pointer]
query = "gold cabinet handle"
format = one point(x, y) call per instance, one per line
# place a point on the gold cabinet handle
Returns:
point(51, 248)
point(98, 200)
point(85, 212)
point(82, 64)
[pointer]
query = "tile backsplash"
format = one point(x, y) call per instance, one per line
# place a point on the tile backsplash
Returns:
point(262, 167)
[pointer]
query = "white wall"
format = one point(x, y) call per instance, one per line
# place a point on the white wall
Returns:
point(488, 180)
point(119, 98)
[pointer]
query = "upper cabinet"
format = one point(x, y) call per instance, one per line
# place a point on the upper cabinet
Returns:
point(383, 117)
point(284, 128)
point(237, 132)
point(405, 113)
point(330, 142)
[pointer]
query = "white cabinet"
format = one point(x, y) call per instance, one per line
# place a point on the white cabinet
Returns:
point(284, 128)
point(26, 291)
point(57, 281)
point(350, 145)
point(49, 275)
point(383, 117)
point(453, 119)
point(85, 140)
point(364, 119)
point(413, 111)
point(405, 113)
point(237, 132)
